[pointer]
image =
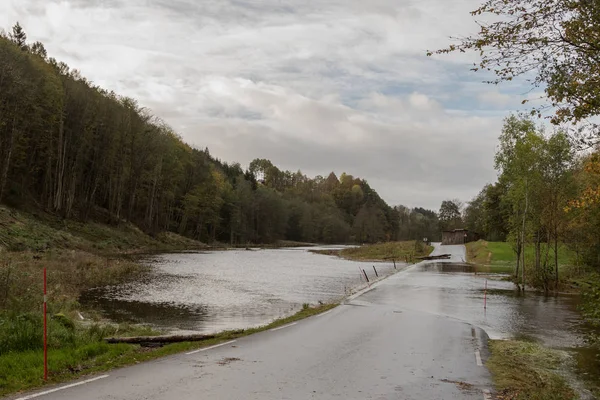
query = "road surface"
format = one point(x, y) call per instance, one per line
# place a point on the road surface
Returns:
point(371, 347)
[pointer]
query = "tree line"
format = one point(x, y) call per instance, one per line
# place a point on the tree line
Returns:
point(533, 203)
point(78, 151)
point(548, 188)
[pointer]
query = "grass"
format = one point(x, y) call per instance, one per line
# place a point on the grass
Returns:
point(69, 274)
point(86, 353)
point(526, 370)
point(500, 257)
point(39, 232)
point(77, 255)
point(277, 245)
point(399, 251)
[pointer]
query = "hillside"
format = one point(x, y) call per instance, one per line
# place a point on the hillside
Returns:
point(71, 149)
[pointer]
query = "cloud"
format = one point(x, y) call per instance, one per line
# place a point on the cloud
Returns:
point(328, 85)
point(495, 98)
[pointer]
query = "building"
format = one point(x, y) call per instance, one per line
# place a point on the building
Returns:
point(458, 236)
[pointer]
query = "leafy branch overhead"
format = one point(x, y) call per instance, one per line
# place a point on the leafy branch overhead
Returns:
point(555, 44)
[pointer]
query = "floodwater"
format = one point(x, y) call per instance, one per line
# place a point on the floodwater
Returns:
point(458, 290)
point(219, 290)
point(214, 291)
point(209, 292)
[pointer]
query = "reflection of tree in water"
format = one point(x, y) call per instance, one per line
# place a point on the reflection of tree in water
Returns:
point(449, 267)
point(161, 314)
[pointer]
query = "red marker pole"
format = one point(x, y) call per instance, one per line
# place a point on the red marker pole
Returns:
point(45, 333)
point(485, 296)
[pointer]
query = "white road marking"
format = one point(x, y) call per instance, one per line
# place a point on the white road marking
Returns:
point(32, 396)
point(325, 313)
point(211, 347)
point(487, 395)
point(283, 327)
point(478, 358)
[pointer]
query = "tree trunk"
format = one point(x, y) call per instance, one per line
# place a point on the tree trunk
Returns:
point(150, 212)
point(518, 252)
point(160, 339)
point(60, 164)
point(8, 157)
point(523, 233)
point(556, 257)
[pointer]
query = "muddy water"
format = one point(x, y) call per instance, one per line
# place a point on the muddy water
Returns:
point(214, 291)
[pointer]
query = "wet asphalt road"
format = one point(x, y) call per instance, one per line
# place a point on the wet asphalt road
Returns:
point(371, 347)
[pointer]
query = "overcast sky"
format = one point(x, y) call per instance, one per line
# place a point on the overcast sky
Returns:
point(315, 85)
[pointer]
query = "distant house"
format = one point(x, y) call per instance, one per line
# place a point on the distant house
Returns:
point(458, 236)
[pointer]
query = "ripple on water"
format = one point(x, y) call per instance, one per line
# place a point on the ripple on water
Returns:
point(213, 291)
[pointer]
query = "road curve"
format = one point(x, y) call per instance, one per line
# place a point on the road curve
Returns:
point(368, 348)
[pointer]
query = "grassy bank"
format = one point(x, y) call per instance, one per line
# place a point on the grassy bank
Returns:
point(40, 232)
point(76, 350)
point(399, 251)
point(525, 370)
point(277, 245)
point(77, 256)
point(500, 256)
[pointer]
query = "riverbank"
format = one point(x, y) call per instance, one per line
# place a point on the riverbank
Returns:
point(500, 256)
point(524, 370)
point(406, 251)
point(77, 350)
point(527, 370)
point(78, 256)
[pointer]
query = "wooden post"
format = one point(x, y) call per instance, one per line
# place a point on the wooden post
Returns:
point(485, 296)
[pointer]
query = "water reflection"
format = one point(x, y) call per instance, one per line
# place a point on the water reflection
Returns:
point(458, 291)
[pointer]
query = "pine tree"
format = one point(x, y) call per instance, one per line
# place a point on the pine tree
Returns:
point(18, 36)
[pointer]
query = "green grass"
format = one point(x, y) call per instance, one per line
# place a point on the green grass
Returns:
point(21, 231)
point(525, 370)
point(399, 251)
point(86, 353)
point(77, 255)
point(500, 256)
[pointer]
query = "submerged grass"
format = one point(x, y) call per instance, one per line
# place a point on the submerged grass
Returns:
point(85, 352)
point(69, 274)
point(399, 251)
point(526, 370)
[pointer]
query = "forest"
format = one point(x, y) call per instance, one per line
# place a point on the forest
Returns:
point(75, 150)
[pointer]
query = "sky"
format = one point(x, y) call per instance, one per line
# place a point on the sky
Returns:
point(312, 85)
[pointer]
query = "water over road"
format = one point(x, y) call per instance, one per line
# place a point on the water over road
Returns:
point(374, 346)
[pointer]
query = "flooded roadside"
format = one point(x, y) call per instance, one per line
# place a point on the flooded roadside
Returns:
point(214, 291)
point(457, 290)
